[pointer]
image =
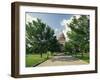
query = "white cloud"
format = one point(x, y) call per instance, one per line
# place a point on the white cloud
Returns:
point(56, 30)
point(30, 18)
point(64, 23)
point(77, 16)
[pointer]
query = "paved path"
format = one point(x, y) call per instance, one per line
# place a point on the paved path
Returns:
point(62, 60)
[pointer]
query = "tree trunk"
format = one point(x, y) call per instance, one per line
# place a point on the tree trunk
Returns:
point(47, 55)
point(41, 55)
point(82, 54)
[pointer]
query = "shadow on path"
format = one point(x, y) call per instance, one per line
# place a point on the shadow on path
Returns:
point(64, 58)
point(61, 59)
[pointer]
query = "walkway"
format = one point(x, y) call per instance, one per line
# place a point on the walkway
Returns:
point(62, 60)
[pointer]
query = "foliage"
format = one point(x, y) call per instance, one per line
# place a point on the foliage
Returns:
point(40, 38)
point(78, 36)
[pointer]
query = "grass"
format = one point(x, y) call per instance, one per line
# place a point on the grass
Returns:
point(33, 59)
point(84, 58)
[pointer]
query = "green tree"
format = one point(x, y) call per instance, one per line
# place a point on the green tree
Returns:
point(39, 37)
point(68, 48)
point(79, 34)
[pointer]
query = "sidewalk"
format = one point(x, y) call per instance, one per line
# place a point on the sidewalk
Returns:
point(62, 60)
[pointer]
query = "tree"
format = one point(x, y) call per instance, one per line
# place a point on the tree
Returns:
point(39, 37)
point(68, 48)
point(54, 45)
point(79, 34)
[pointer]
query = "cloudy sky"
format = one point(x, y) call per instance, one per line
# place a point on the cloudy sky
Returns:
point(55, 21)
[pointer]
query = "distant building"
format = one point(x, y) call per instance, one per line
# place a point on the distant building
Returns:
point(61, 39)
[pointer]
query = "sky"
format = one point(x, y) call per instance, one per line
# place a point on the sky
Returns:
point(54, 20)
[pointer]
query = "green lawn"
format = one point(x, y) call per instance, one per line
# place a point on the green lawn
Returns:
point(84, 58)
point(33, 59)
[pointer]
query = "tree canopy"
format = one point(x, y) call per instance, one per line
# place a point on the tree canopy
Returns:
point(79, 35)
point(40, 38)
